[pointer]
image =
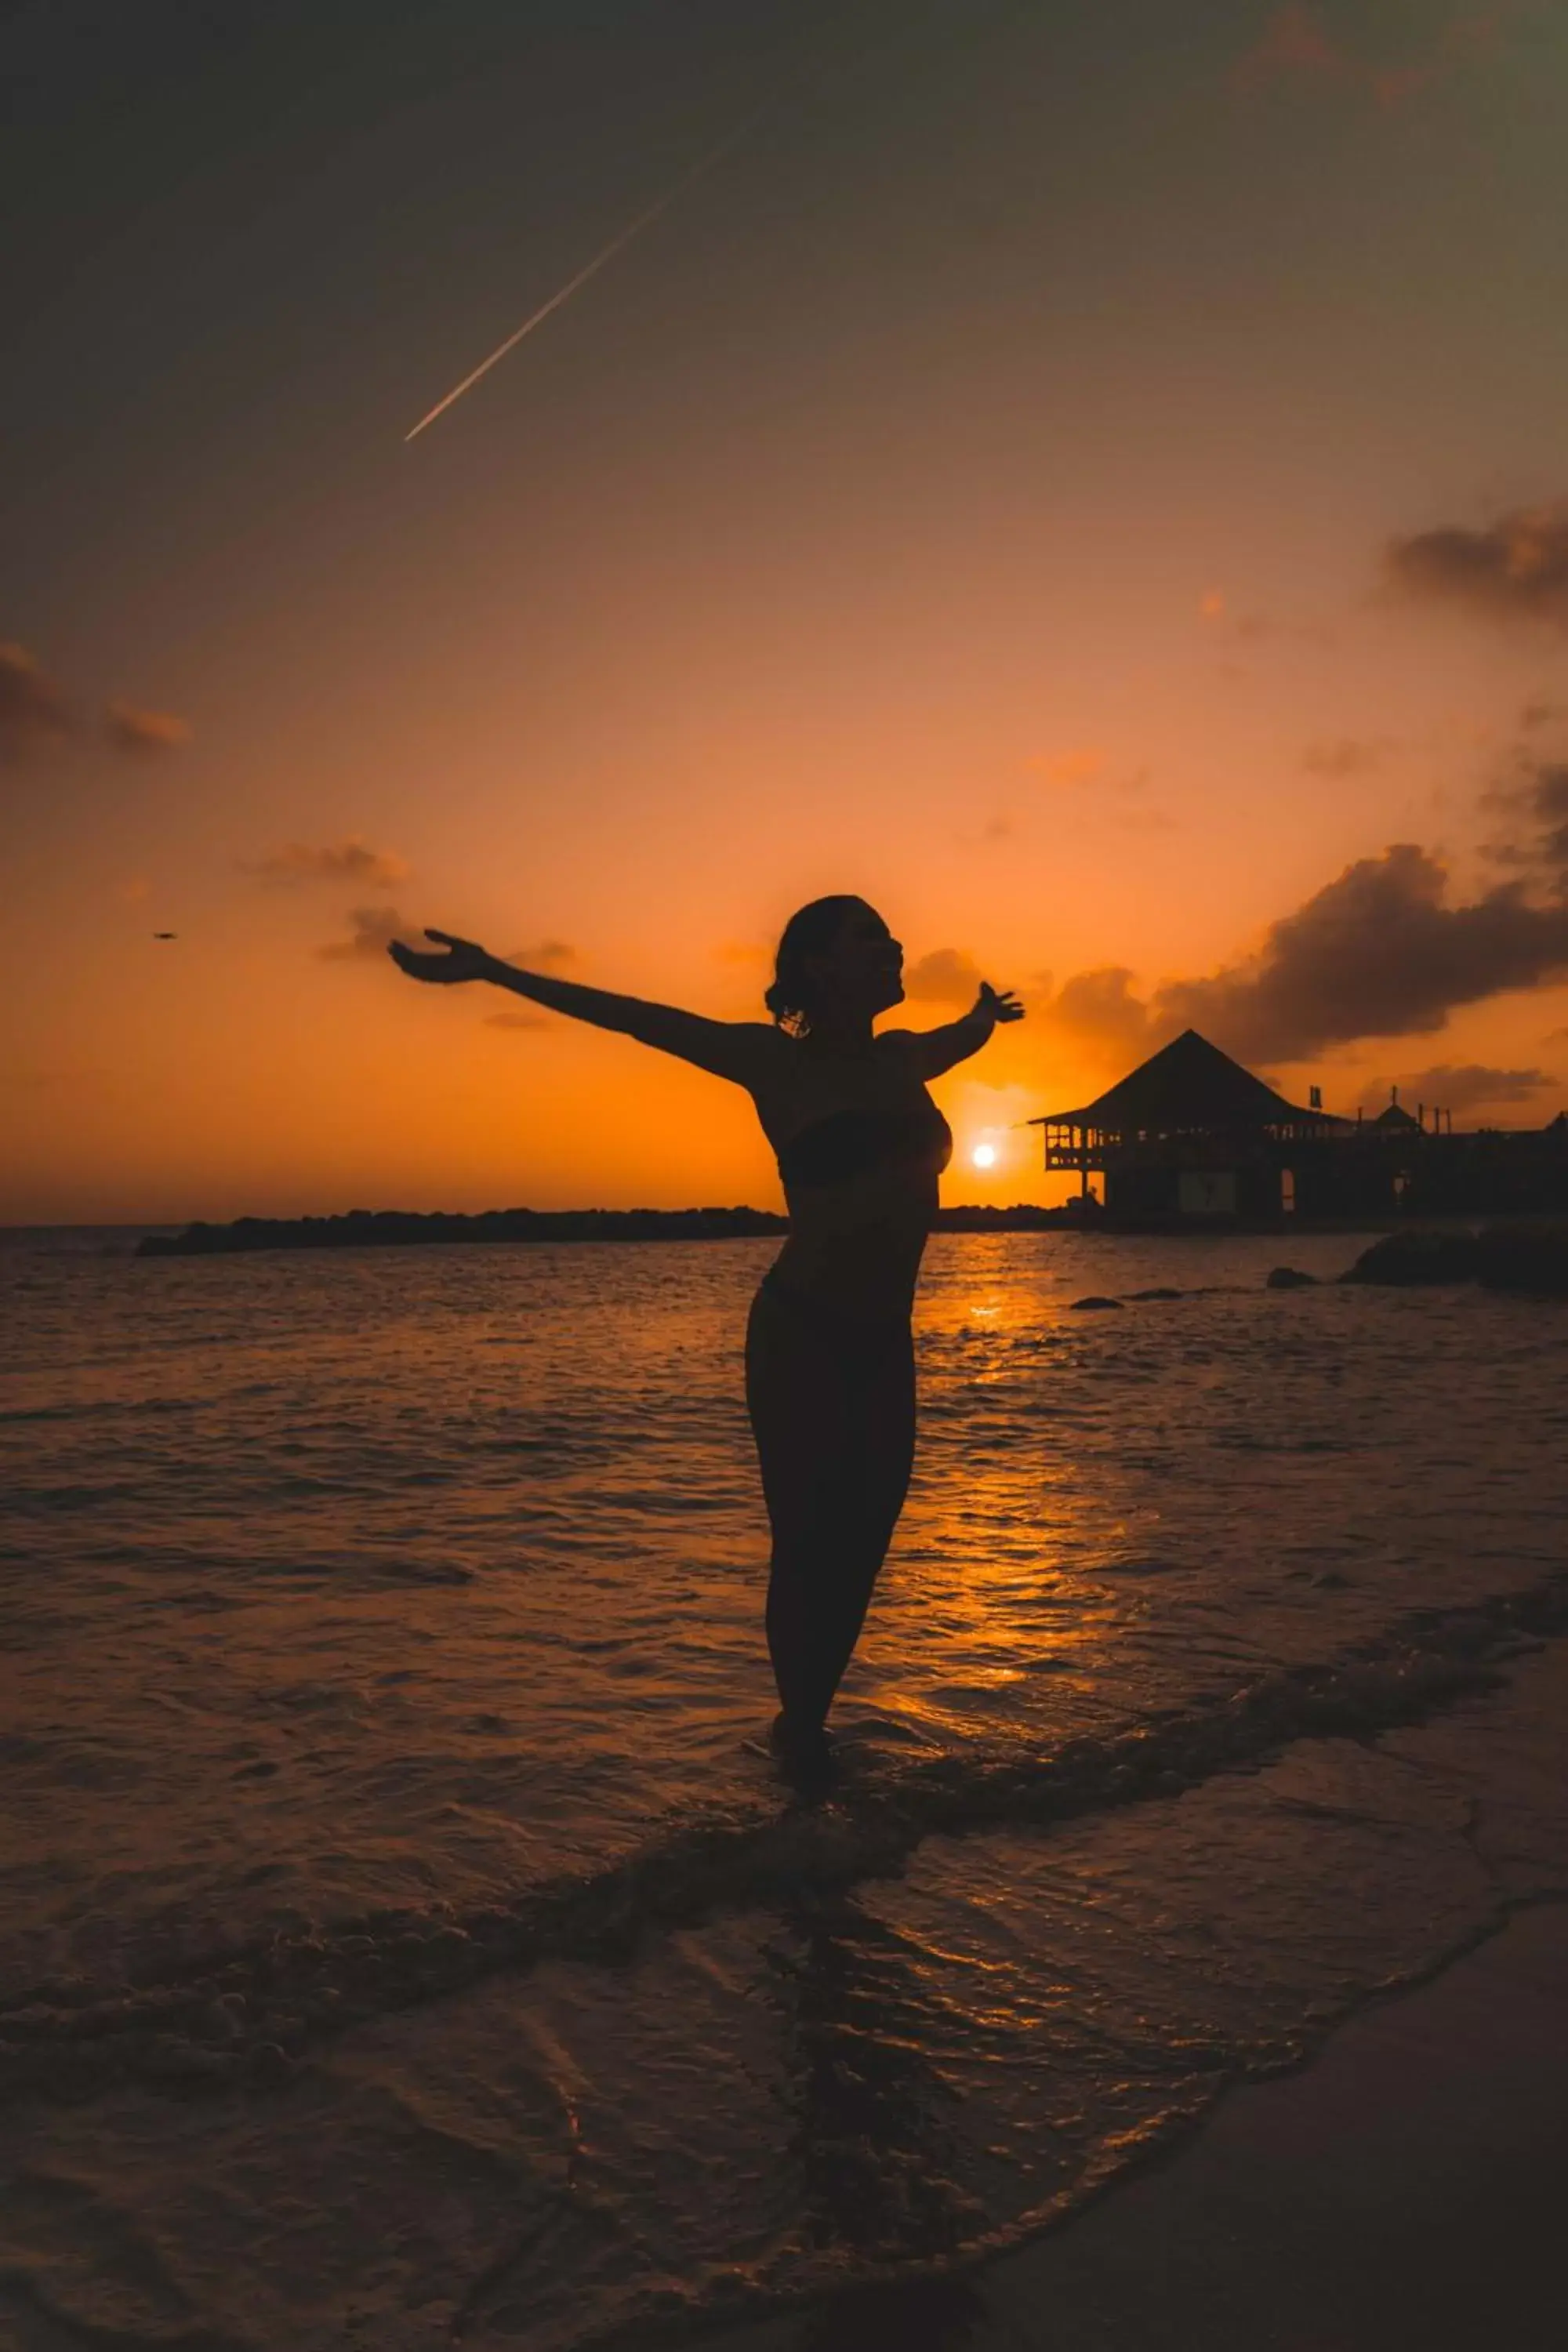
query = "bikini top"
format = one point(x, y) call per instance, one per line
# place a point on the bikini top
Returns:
point(851, 1142)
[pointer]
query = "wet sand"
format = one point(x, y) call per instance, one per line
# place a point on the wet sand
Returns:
point(1403, 2193)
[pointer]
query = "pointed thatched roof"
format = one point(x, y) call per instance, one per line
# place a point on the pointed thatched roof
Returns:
point(1188, 1084)
point(1395, 1119)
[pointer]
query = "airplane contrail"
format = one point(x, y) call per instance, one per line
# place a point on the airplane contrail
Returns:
point(617, 244)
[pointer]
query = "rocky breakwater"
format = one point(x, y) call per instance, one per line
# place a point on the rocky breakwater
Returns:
point(1524, 1258)
point(399, 1228)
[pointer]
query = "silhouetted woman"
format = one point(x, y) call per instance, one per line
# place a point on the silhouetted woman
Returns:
point(829, 1359)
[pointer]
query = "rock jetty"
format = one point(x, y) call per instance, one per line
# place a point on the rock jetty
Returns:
point(400, 1228)
point(1524, 1258)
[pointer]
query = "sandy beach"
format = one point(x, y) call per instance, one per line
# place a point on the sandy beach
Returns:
point(1403, 2193)
point(1400, 2193)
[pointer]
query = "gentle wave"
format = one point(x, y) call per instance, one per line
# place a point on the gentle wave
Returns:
point(253, 2011)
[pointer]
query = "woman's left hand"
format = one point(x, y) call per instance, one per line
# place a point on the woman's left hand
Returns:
point(998, 1003)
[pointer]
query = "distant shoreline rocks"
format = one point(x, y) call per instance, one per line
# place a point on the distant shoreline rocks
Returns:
point(402, 1228)
point(1518, 1257)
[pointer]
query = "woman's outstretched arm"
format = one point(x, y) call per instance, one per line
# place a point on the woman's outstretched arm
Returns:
point(938, 1049)
point(731, 1049)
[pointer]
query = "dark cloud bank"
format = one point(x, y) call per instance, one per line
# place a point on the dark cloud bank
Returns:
point(1380, 951)
point(1514, 569)
point(1376, 953)
point(1459, 1087)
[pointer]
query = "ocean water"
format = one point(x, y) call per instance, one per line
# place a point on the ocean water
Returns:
point(401, 1933)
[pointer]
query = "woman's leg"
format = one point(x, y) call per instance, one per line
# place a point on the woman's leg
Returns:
point(835, 1431)
point(883, 1451)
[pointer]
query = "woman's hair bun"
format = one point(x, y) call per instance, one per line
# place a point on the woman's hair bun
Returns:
point(809, 931)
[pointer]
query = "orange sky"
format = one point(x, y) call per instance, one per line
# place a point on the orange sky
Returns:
point(979, 495)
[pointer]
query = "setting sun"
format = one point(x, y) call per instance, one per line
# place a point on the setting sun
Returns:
point(983, 1155)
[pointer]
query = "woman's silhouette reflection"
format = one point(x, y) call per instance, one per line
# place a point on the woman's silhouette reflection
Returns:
point(873, 2138)
point(829, 1359)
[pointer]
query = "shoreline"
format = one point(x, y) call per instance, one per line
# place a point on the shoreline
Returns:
point(1399, 2192)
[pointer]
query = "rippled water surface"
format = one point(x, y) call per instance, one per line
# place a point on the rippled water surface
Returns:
point(391, 1869)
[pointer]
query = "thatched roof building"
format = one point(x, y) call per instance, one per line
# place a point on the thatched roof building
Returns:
point(1187, 1135)
point(1190, 1136)
point(1188, 1088)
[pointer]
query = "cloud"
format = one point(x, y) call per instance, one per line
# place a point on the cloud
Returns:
point(33, 713)
point(351, 860)
point(1459, 1087)
point(144, 734)
point(945, 976)
point(1236, 628)
point(1081, 763)
point(1515, 570)
point(549, 955)
point(1099, 1008)
point(1375, 953)
point(1296, 45)
point(1346, 755)
point(1378, 952)
point(36, 714)
point(1537, 804)
point(1003, 824)
point(1540, 712)
point(1073, 768)
point(374, 929)
point(1550, 807)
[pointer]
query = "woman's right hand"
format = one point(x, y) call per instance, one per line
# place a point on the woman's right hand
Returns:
point(464, 960)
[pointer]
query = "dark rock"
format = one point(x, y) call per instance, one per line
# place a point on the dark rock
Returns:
point(1419, 1257)
point(269, 2065)
point(1095, 1302)
point(1288, 1277)
point(1524, 1258)
point(1153, 1294)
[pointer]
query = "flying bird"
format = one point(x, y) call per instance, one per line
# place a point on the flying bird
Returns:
point(617, 244)
point(165, 935)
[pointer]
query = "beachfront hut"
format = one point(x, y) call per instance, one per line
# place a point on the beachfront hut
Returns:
point(1394, 1119)
point(1189, 1136)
